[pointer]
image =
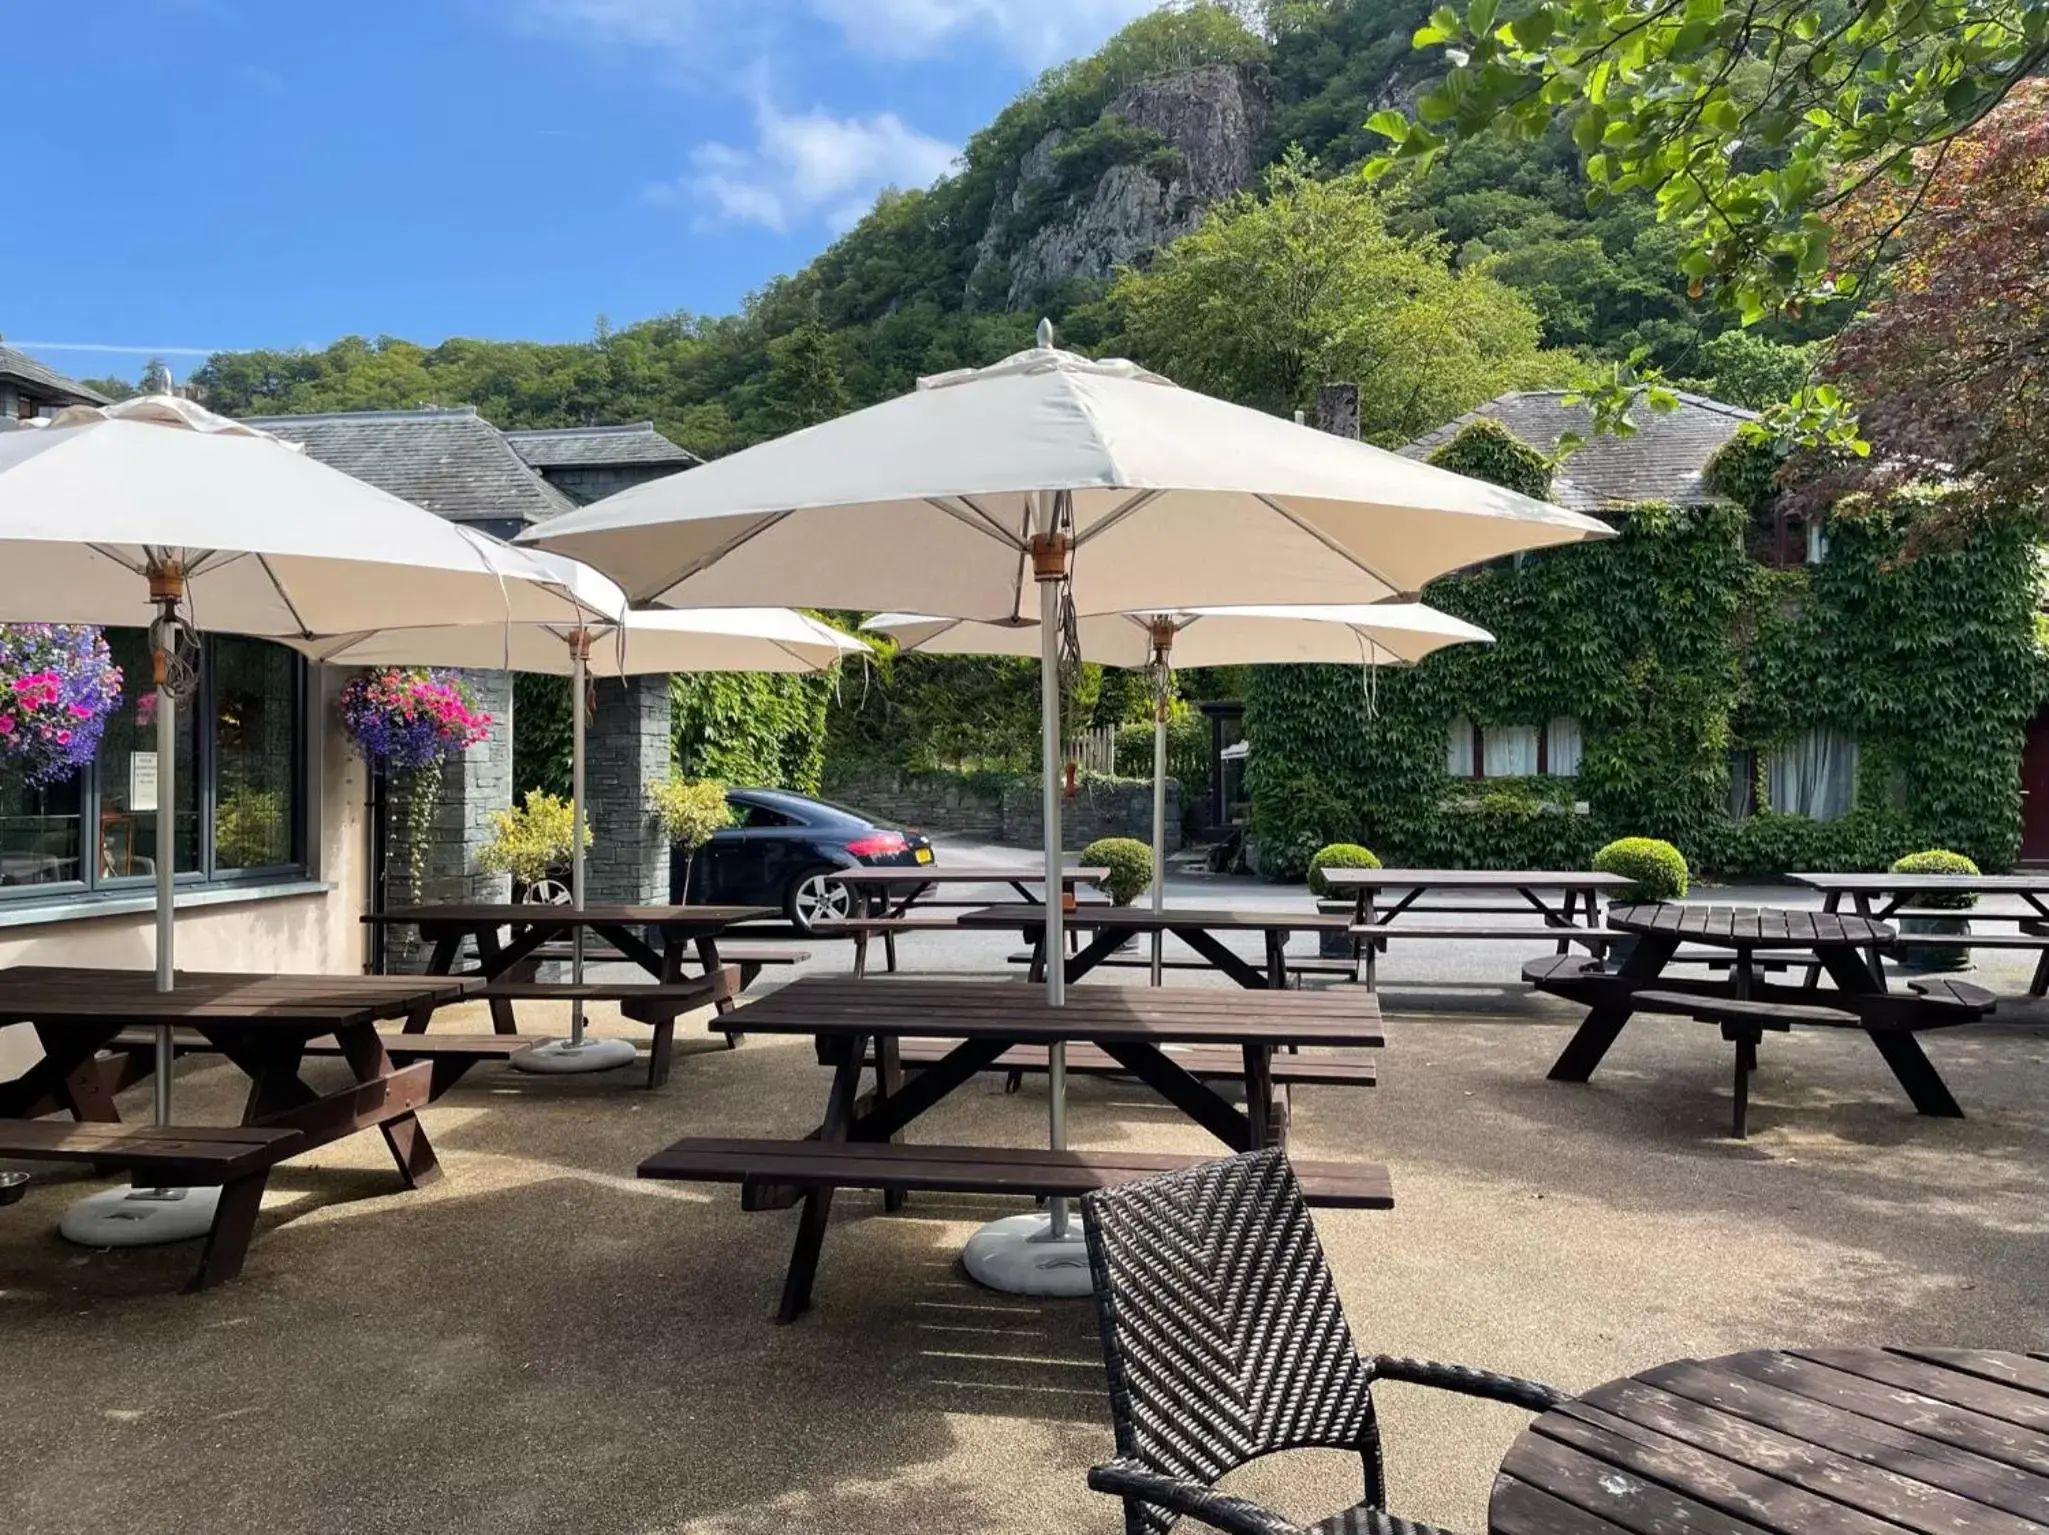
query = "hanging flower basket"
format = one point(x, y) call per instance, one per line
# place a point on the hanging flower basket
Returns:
point(58, 684)
point(408, 718)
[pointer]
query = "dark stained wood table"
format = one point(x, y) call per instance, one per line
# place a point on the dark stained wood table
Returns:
point(1837, 943)
point(895, 891)
point(1826, 1441)
point(681, 930)
point(852, 1019)
point(1116, 925)
point(1387, 902)
point(1881, 896)
point(261, 1023)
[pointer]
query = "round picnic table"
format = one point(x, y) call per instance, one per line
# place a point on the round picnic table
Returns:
point(1842, 1440)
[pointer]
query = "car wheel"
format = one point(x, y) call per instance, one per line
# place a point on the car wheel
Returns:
point(815, 897)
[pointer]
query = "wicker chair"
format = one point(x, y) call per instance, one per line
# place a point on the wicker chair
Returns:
point(1225, 1342)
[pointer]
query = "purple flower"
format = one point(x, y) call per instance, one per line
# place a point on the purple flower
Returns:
point(411, 718)
point(64, 685)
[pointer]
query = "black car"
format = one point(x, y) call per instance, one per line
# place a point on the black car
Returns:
point(781, 847)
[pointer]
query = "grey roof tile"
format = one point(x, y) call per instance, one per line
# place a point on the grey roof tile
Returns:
point(587, 447)
point(450, 461)
point(1664, 461)
point(47, 381)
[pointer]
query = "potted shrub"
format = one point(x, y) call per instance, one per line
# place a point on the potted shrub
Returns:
point(532, 844)
point(689, 811)
point(1337, 855)
point(1130, 863)
point(1937, 957)
point(1656, 871)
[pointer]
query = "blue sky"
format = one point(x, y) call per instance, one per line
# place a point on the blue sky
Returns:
point(238, 173)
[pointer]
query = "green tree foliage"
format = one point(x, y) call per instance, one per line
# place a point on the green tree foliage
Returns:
point(803, 386)
point(1742, 125)
point(1278, 292)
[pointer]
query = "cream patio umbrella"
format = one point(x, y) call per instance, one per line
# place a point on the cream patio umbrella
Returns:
point(611, 640)
point(156, 512)
point(1373, 635)
point(1104, 485)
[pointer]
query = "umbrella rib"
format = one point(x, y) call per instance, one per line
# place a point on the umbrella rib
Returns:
point(1334, 546)
point(982, 520)
point(107, 553)
point(1135, 503)
point(282, 595)
point(655, 591)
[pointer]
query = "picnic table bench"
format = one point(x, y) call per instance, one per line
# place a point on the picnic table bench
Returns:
point(1385, 900)
point(1847, 1441)
point(1114, 926)
point(856, 1146)
point(1890, 1020)
point(1351, 1068)
point(1889, 897)
point(263, 1024)
point(887, 896)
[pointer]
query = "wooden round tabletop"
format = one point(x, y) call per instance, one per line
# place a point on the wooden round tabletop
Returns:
point(1849, 1441)
point(1750, 927)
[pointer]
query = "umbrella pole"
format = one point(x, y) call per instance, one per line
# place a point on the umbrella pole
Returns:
point(146, 1217)
point(576, 1054)
point(1042, 1254)
point(1163, 642)
point(578, 673)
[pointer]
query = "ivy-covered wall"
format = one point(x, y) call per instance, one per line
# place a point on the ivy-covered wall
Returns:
point(1672, 647)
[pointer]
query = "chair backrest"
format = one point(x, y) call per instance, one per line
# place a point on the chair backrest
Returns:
point(1221, 1327)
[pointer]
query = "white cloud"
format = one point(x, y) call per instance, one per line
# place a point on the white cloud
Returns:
point(809, 165)
point(1031, 32)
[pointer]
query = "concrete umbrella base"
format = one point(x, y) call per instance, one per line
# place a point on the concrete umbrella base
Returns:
point(1020, 1256)
point(564, 1057)
point(139, 1217)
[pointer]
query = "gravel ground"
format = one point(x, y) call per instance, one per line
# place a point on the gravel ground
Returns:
point(539, 1342)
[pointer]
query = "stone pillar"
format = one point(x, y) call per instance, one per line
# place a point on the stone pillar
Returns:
point(627, 751)
point(1337, 410)
point(472, 790)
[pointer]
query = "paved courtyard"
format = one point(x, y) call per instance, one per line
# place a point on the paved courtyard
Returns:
point(540, 1342)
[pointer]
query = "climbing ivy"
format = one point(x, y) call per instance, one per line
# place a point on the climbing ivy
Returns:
point(1487, 450)
point(750, 728)
point(1671, 647)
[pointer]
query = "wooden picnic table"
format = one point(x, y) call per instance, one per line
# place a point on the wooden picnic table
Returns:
point(896, 890)
point(1847, 1441)
point(1837, 942)
point(1882, 897)
point(1383, 897)
point(681, 930)
point(854, 1019)
point(263, 1024)
point(1114, 926)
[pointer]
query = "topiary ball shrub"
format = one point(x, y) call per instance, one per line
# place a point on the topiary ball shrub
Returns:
point(1338, 855)
point(1129, 861)
point(1939, 861)
point(1656, 870)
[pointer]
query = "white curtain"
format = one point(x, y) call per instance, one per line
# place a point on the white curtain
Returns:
point(1508, 751)
point(1816, 776)
point(1458, 750)
point(1562, 747)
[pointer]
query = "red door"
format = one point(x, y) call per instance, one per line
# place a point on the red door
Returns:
point(2035, 791)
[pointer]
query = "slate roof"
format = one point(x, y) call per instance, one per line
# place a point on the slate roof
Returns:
point(46, 383)
point(1664, 461)
point(590, 447)
point(451, 461)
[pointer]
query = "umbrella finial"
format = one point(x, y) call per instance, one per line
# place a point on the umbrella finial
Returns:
point(1045, 335)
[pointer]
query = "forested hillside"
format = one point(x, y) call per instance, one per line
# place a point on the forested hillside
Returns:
point(1181, 108)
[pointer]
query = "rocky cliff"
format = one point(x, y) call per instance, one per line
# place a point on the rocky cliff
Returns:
point(1177, 144)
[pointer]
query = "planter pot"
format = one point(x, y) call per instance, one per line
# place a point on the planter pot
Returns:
point(1933, 959)
point(1334, 943)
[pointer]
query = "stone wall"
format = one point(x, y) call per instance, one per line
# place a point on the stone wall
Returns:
point(1004, 808)
point(473, 790)
point(627, 752)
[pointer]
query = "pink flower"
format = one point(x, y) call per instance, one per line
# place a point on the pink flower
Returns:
point(63, 738)
point(6, 724)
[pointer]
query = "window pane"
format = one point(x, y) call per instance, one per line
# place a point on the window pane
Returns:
point(1815, 776)
point(39, 832)
point(1562, 747)
point(255, 693)
point(127, 773)
point(1508, 751)
point(1458, 749)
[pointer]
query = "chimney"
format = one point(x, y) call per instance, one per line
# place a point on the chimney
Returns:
point(1337, 410)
